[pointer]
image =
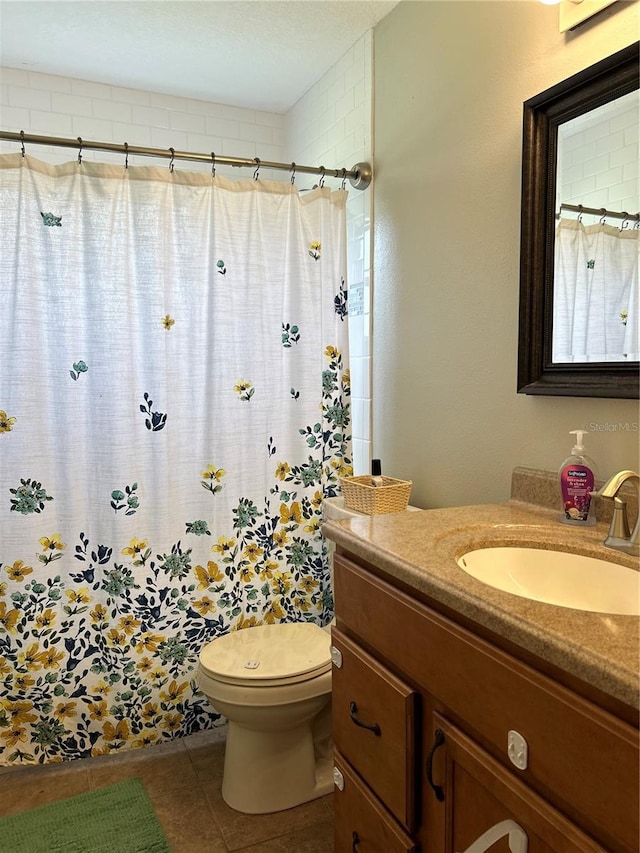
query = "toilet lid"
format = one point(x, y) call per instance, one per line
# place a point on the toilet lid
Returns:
point(289, 651)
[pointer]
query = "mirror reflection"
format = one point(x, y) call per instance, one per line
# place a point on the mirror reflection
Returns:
point(595, 293)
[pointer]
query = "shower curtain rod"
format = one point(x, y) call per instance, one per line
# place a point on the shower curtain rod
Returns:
point(359, 176)
point(602, 212)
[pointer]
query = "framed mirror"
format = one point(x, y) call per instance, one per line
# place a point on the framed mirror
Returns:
point(578, 328)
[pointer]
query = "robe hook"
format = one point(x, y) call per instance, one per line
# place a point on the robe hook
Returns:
point(126, 155)
point(213, 165)
point(22, 143)
point(80, 150)
point(173, 154)
point(256, 160)
point(293, 173)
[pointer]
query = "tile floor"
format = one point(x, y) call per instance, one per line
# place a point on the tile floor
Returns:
point(183, 780)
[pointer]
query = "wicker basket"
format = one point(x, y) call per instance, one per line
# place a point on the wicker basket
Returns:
point(359, 494)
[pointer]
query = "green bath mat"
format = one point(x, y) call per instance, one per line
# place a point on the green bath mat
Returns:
point(115, 819)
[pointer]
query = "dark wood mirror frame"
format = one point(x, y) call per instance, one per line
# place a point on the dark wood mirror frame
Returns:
point(537, 374)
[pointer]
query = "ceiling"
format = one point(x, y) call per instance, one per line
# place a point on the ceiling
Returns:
point(259, 54)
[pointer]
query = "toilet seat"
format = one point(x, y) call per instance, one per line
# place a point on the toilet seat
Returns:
point(268, 655)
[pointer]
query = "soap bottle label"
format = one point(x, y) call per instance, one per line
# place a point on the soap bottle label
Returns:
point(577, 483)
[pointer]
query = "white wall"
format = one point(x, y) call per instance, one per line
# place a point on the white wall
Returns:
point(332, 126)
point(450, 80)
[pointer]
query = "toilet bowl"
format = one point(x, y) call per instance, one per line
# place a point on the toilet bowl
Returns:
point(273, 684)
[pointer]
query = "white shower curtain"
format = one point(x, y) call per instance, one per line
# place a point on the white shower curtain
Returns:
point(595, 293)
point(174, 406)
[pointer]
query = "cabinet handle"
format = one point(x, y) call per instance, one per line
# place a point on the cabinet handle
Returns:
point(437, 790)
point(355, 840)
point(372, 727)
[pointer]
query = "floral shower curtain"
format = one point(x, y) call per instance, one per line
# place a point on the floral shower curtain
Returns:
point(595, 293)
point(174, 407)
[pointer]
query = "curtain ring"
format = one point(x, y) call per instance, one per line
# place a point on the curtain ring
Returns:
point(213, 165)
point(603, 215)
point(322, 170)
point(344, 179)
point(173, 154)
point(256, 160)
point(293, 173)
point(625, 221)
point(22, 142)
point(80, 150)
point(579, 213)
point(126, 155)
point(636, 224)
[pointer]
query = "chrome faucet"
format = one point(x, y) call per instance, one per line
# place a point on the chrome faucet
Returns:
point(619, 536)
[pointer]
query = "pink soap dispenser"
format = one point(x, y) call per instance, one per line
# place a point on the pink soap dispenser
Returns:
point(577, 476)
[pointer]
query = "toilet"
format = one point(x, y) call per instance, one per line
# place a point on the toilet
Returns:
point(273, 684)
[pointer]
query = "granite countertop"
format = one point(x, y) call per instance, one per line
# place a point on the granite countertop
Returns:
point(420, 549)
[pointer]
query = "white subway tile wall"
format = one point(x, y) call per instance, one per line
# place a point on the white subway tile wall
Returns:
point(600, 161)
point(330, 126)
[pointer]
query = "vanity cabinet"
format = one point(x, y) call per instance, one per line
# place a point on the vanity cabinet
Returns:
point(443, 737)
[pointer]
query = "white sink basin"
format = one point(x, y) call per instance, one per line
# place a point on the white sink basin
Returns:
point(556, 577)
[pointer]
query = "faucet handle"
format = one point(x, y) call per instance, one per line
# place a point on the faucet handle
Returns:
point(619, 528)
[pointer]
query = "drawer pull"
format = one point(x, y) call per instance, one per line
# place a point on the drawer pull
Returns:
point(437, 790)
point(372, 727)
point(355, 840)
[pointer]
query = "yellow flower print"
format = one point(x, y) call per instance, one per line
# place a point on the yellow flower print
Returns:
point(315, 249)
point(8, 618)
point(246, 622)
point(341, 468)
point(290, 514)
point(78, 596)
point(274, 613)
point(281, 583)
point(45, 620)
point(98, 710)
point(268, 569)
point(157, 674)
point(149, 712)
point(30, 658)
point(282, 469)
point(50, 658)
point(346, 379)
point(224, 545)
point(210, 575)
point(128, 624)
point(19, 712)
point(174, 691)
point(6, 423)
point(145, 739)
point(209, 475)
point(5, 666)
point(15, 735)
point(50, 546)
point(99, 613)
point(116, 638)
point(149, 642)
point(135, 548)
point(316, 500)
point(280, 538)
point(120, 733)
point(168, 322)
point(172, 722)
point(103, 688)
point(204, 605)
point(18, 571)
point(246, 574)
point(144, 664)
point(301, 603)
point(244, 389)
point(65, 709)
point(313, 526)
point(23, 682)
point(331, 353)
point(253, 551)
point(308, 584)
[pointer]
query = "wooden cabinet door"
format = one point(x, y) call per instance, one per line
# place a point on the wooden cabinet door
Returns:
point(362, 824)
point(481, 796)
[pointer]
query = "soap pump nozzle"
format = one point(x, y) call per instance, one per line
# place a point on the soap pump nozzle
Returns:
point(578, 447)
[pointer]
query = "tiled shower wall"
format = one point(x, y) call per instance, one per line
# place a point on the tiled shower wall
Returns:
point(330, 126)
